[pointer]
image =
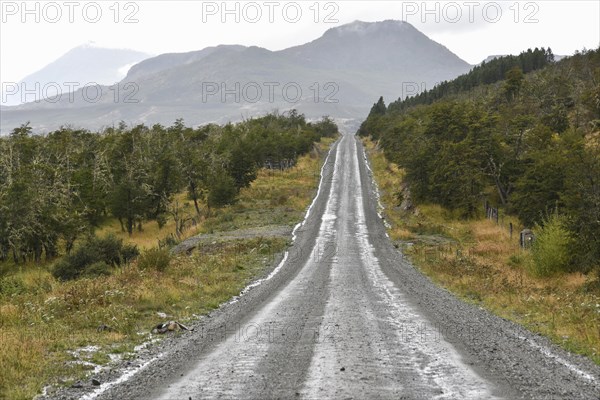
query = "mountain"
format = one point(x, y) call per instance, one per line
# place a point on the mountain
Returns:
point(339, 74)
point(490, 58)
point(82, 65)
point(388, 46)
point(170, 60)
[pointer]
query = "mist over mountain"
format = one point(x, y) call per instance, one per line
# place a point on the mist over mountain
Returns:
point(81, 65)
point(340, 74)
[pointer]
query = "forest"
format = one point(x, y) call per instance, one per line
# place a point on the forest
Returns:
point(483, 74)
point(528, 143)
point(58, 188)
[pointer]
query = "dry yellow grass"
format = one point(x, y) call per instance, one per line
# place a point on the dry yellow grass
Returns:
point(151, 233)
point(483, 264)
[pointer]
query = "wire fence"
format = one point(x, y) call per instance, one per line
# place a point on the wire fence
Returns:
point(526, 236)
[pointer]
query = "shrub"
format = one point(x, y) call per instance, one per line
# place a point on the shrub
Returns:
point(129, 252)
point(158, 259)
point(552, 249)
point(99, 268)
point(12, 285)
point(73, 265)
point(109, 248)
point(94, 257)
point(222, 192)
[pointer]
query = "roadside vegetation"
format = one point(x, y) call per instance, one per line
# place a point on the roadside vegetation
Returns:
point(528, 146)
point(66, 311)
point(58, 188)
point(479, 260)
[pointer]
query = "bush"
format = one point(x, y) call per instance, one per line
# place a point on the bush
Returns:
point(12, 285)
point(94, 257)
point(73, 265)
point(158, 259)
point(129, 252)
point(99, 268)
point(552, 249)
point(222, 192)
point(109, 248)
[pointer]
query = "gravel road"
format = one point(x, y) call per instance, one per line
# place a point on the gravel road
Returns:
point(344, 315)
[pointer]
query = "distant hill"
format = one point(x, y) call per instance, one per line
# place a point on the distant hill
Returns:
point(490, 58)
point(170, 60)
point(83, 64)
point(338, 74)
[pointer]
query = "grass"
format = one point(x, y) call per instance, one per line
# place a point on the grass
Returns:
point(151, 233)
point(43, 322)
point(480, 262)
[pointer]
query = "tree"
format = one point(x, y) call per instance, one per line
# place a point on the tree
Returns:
point(165, 175)
point(222, 190)
point(193, 151)
point(581, 195)
point(374, 122)
point(378, 108)
point(513, 83)
point(130, 198)
point(529, 143)
point(56, 188)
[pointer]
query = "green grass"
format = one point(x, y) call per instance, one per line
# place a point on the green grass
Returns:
point(480, 262)
point(43, 320)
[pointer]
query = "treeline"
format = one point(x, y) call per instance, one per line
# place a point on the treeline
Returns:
point(483, 74)
point(56, 188)
point(529, 144)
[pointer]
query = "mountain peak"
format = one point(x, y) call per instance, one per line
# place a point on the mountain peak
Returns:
point(363, 28)
point(92, 47)
point(389, 45)
point(85, 64)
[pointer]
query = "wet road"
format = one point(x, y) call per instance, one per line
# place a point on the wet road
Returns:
point(346, 316)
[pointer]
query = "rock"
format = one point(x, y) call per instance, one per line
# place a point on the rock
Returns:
point(343, 369)
point(170, 326)
point(404, 198)
point(77, 385)
point(104, 328)
point(95, 382)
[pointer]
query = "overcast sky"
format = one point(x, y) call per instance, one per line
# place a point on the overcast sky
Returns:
point(37, 34)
